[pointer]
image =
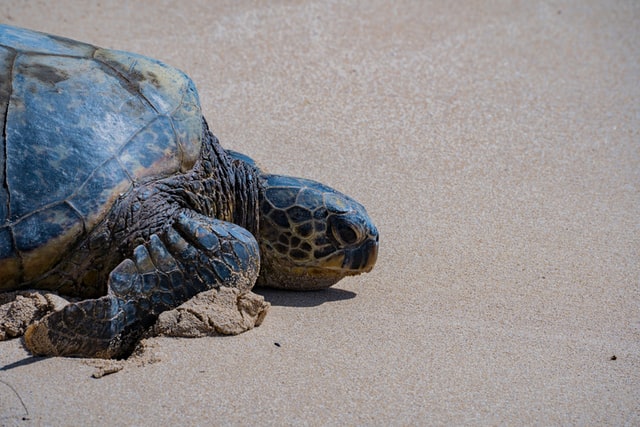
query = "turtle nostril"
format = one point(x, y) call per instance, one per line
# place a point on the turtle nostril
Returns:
point(373, 233)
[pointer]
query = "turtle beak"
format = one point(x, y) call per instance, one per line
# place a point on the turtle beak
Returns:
point(362, 258)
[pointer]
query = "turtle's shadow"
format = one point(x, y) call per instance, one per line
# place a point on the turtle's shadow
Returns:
point(303, 298)
point(23, 362)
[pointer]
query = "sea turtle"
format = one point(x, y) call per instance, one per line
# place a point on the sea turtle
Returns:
point(115, 191)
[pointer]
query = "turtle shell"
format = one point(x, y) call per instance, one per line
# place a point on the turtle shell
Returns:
point(81, 125)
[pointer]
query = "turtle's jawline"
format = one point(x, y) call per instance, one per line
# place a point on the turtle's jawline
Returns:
point(362, 258)
point(356, 260)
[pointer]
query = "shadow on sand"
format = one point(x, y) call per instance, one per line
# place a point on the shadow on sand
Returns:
point(303, 298)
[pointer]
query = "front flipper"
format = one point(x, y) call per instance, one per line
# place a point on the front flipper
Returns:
point(196, 254)
point(89, 328)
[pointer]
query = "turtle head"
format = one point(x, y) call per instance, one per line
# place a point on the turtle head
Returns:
point(311, 235)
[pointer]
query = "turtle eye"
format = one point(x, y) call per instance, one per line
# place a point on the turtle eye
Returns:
point(345, 233)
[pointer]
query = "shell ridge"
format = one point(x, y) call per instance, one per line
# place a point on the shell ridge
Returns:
point(171, 116)
point(78, 213)
point(138, 131)
point(124, 169)
point(173, 126)
point(133, 136)
point(125, 81)
point(5, 178)
point(180, 104)
point(116, 157)
point(93, 172)
point(36, 211)
point(175, 139)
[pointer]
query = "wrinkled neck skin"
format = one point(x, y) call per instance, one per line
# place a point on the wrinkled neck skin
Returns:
point(218, 186)
point(222, 187)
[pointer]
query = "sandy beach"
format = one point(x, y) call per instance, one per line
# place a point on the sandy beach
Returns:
point(496, 145)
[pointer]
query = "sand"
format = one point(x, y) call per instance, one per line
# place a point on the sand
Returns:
point(496, 146)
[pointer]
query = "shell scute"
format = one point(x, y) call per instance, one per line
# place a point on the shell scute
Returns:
point(45, 225)
point(63, 131)
point(152, 151)
point(169, 91)
point(41, 236)
point(99, 191)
